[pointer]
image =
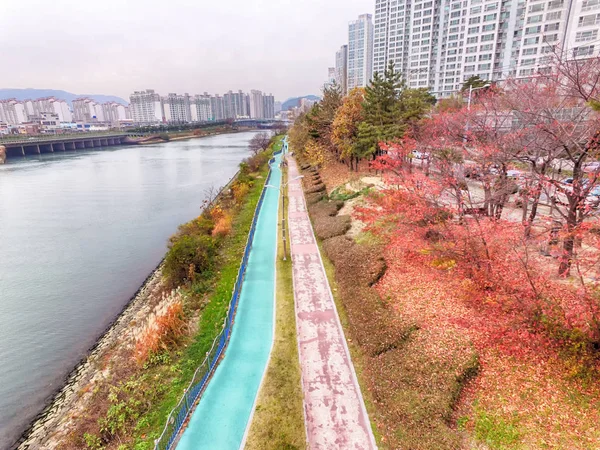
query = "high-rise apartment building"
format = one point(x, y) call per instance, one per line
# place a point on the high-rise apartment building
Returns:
point(440, 44)
point(146, 107)
point(217, 107)
point(12, 112)
point(360, 51)
point(268, 106)
point(256, 104)
point(341, 68)
point(177, 108)
point(236, 105)
point(201, 108)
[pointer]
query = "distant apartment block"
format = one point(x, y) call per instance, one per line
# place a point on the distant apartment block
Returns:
point(360, 51)
point(341, 68)
point(177, 108)
point(146, 107)
point(201, 108)
point(440, 44)
point(268, 106)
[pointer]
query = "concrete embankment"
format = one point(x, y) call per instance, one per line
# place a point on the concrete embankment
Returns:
point(56, 421)
point(2, 154)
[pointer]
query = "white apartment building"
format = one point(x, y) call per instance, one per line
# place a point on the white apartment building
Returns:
point(177, 108)
point(440, 44)
point(12, 112)
point(256, 104)
point(146, 107)
point(269, 106)
point(360, 51)
point(200, 107)
point(341, 68)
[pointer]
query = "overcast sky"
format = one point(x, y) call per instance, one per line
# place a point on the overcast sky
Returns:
point(118, 46)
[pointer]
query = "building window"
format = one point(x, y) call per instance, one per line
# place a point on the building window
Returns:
point(556, 15)
point(590, 5)
point(490, 17)
point(487, 37)
point(536, 8)
point(528, 62)
point(489, 27)
point(486, 47)
point(531, 40)
point(469, 59)
point(491, 6)
point(473, 30)
point(533, 30)
point(530, 51)
point(535, 19)
point(584, 51)
point(556, 4)
point(475, 10)
point(484, 66)
point(526, 72)
point(472, 40)
point(469, 68)
point(583, 36)
point(474, 20)
point(487, 57)
point(593, 19)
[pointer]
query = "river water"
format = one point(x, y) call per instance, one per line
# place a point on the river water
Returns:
point(79, 233)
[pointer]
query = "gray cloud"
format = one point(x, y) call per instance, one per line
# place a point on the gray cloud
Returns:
point(117, 46)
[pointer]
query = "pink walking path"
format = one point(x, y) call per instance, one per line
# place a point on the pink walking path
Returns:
point(335, 413)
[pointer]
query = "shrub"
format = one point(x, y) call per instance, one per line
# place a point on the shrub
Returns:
point(223, 226)
point(202, 225)
point(240, 190)
point(187, 256)
point(165, 332)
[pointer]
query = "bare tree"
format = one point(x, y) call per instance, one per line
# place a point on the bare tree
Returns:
point(259, 143)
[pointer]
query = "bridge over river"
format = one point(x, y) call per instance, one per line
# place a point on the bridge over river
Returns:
point(62, 143)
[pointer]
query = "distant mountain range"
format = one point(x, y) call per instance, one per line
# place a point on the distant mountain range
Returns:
point(295, 101)
point(24, 94)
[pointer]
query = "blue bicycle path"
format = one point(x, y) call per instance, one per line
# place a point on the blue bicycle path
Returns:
point(222, 416)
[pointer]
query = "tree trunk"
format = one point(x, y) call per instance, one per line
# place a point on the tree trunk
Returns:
point(534, 208)
point(566, 259)
point(487, 202)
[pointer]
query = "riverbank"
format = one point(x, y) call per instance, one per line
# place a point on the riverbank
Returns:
point(184, 135)
point(82, 413)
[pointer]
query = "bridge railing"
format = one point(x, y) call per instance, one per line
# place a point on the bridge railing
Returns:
point(195, 389)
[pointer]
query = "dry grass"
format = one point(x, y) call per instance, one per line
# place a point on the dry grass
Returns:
point(278, 421)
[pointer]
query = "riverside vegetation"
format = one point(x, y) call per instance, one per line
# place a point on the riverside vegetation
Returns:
point(464, 334)
point(128, 407)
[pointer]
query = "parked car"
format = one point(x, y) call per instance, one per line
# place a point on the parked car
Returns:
point(420, 155)
point(592, 167)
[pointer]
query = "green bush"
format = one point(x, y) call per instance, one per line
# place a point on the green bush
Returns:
point(202, 225)
point(188, 256)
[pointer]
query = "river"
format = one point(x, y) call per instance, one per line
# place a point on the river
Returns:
point(79, 233)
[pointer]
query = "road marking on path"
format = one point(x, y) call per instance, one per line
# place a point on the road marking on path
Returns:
point(336, 417)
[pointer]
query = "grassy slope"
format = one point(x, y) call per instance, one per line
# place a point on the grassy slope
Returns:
point(278, 421)
point(176, 376)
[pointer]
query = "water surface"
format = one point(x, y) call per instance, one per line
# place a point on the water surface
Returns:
point(79, 233)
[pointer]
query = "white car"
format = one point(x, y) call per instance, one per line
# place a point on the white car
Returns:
point(420, 155)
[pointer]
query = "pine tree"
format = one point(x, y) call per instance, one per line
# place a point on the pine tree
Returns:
point(383, 115)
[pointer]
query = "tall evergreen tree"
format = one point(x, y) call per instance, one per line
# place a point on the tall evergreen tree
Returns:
point(383, 112)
